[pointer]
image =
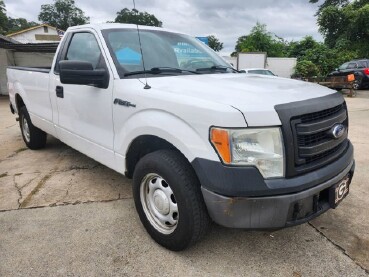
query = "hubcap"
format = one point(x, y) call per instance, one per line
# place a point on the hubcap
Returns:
point(159, 203)
point(25, 129)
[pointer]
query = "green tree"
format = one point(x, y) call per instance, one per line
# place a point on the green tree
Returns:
point(345, 24)
point(324, 58)
point(62, 14)
point(136, 17)
point(18, 24)
point(298, 49)
point(260, 40)
point(214, 43)
point(3, 18)
point(328, 3)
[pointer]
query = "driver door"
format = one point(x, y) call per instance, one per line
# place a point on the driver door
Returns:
point(84, 113)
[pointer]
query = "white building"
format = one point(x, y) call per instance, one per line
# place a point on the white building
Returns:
point(43, 33)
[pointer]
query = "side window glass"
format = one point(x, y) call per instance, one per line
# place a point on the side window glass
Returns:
point(352, 66)
point(84, 47)
point(344, 66)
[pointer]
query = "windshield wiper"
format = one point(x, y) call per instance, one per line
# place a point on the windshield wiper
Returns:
point(218, 68)
point(161, 70)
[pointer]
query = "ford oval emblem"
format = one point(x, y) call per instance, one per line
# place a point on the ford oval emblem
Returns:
point(338, 130)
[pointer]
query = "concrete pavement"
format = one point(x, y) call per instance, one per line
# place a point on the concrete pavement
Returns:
point(62, 213)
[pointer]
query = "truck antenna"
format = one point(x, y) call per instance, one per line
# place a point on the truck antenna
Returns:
point(143, 61)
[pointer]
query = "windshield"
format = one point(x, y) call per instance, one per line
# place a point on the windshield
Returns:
point(161, 49)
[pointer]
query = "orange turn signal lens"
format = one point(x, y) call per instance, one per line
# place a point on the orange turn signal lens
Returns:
point(220, 140)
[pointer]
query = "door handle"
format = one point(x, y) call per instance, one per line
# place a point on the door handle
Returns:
point(59, 91)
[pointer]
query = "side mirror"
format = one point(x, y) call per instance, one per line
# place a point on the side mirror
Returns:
point(337, 69)
point(82, 73)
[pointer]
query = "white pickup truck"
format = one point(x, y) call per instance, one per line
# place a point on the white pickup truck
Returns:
point(201, 141)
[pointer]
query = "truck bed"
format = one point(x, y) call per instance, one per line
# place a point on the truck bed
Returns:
point(33, 69)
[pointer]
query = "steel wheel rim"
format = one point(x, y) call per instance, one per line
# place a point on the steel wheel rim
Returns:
point(356, 85)
point(25, 129)
point(159, 203)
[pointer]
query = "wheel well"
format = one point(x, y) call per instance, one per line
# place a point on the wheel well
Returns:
point(142, 146)
point(19, 102)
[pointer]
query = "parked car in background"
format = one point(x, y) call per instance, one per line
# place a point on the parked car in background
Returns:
point(360, 68)
point(261, 71)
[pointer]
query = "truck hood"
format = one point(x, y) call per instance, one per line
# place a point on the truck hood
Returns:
point(254, 95)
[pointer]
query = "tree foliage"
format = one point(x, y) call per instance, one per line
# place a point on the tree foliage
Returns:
point(328, 3)
point(326, 59)
point(62, 14)
point(11, 25)
point(214, 43)
point(345, 24)
point(306, 69)
point(18, 24)
point(136, 17)
point(260, 40)
point(3, 18)
point(314, 58)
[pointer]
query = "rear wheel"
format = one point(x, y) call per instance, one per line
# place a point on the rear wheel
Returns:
point(168, 200)
point(356, 85)
point(32, 136)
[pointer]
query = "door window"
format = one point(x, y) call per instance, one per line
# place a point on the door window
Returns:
point(352, 66)
point(84, 47)
point(362, 64)
point(344, 66)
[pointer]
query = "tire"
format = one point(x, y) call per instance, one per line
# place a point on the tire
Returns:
point(33, 137)
point(357, 85)
point(169, 201)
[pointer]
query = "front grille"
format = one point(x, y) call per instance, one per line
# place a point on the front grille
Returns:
point(321, 114)
point(307, 128)
point(307, 140)
point(325, 154)
point(313, 137)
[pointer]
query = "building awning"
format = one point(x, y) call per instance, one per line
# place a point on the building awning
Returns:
point(8, 39)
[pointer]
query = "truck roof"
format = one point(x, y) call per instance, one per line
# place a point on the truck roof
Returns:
point(104, 26)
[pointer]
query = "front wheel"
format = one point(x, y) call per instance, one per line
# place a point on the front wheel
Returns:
point(32, 136)
point(168, 200)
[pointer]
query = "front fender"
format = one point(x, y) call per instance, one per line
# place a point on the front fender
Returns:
point(192, 143)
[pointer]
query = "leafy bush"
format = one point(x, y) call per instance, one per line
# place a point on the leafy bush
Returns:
point(306, 69)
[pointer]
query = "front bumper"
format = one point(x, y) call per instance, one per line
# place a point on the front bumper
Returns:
point(272, 212)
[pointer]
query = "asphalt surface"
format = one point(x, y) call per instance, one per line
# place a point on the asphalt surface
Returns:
point(63, 214)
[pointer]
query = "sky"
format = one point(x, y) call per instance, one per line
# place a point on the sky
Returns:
point(226, 19)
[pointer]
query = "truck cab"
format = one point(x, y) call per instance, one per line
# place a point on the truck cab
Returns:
point(202, 142)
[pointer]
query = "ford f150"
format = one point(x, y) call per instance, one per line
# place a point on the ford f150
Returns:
point(202, 142)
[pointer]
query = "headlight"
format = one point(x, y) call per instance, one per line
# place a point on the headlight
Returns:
point(260, 147)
